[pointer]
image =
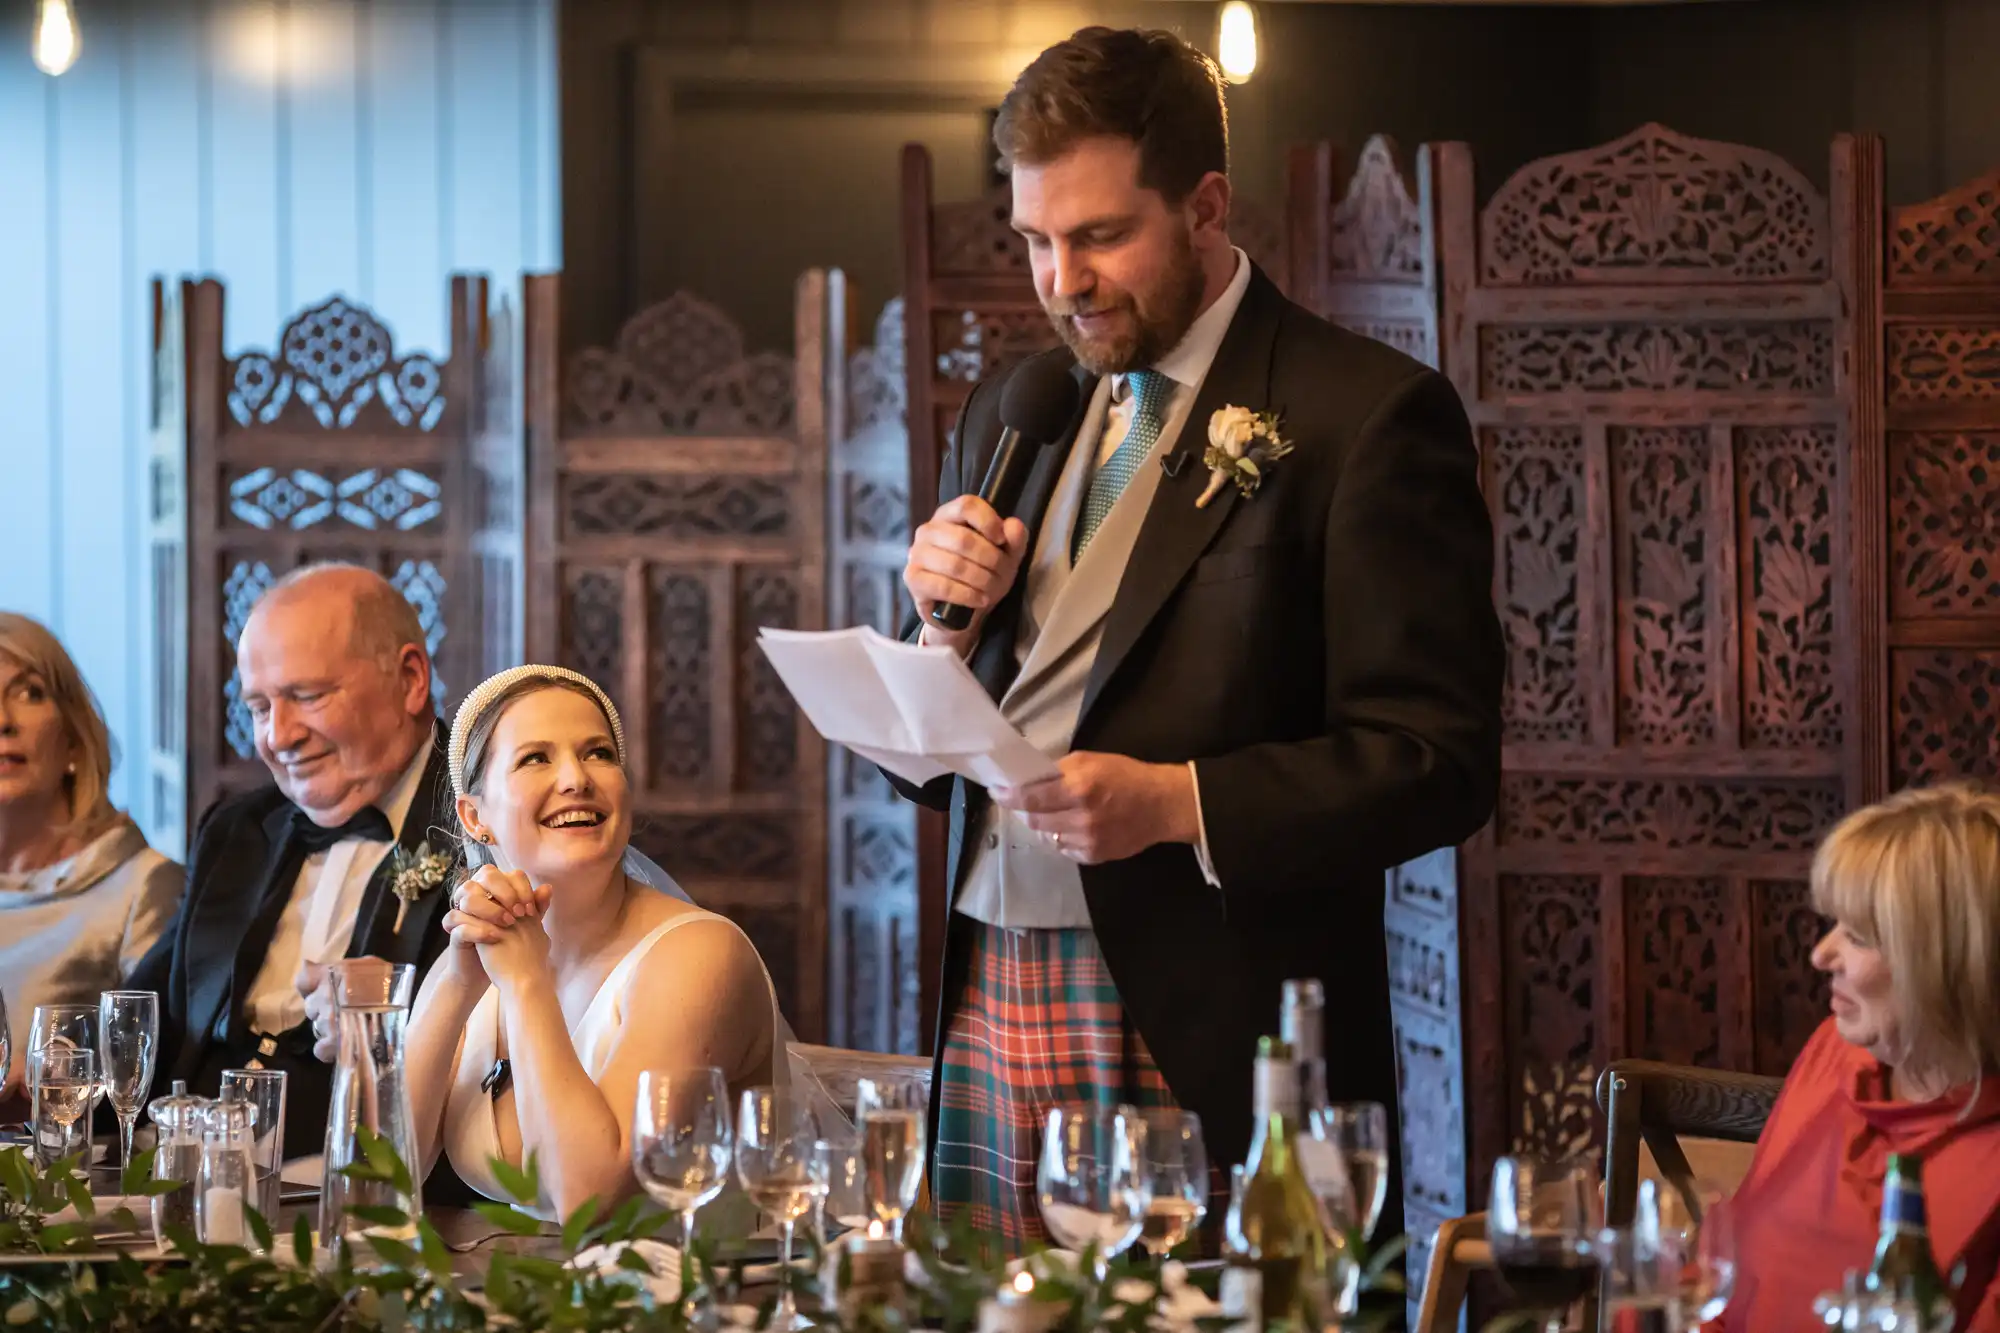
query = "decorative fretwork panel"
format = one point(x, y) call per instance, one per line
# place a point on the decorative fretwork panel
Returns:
point(1376, 229)
point(1954, 238)
point(1656, 207)
point(371, 499)
point(1553, 969)
point(1739, 815)
point(679, 368)
point(1680, 945)
point(1932, 363)
point(972, 345)
point(1794, 357)
point(1945, 707)
point(1786, 481)
point(336, 367)
point(1944, 523)
point(677, 507)
point(1659, 508)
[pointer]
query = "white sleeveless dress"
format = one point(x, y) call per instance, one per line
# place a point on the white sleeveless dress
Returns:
point(471, 1129)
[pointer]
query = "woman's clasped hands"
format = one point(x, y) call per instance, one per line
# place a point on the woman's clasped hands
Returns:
point(496, 930)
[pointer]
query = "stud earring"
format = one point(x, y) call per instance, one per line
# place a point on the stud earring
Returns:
point(72, 770)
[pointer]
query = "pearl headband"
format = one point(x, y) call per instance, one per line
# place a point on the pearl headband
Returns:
point(482, 698)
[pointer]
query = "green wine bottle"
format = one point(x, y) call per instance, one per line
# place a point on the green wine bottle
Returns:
point(1274, 1251)
point(1903, 1260)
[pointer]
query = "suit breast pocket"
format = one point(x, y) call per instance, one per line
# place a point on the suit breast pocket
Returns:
point(1241, 563)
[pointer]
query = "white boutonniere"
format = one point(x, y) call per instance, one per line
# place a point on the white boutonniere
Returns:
point(412, 875)
point(1242, 445)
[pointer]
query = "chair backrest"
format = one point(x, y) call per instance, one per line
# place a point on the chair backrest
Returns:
point(839, 1070)
point(1655, 1104)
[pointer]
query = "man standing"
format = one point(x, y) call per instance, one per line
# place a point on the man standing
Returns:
point(1265, 687)
point(283, 880)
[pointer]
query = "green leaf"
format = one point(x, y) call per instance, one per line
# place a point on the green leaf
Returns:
point(64, 1235)
point(302, 1242)
point(138, 1172)
point(260, 1227)
point(379, 1215)
point(577, 1223)
point(513, 1220)
point(436, 1257)
point(524, 1186)
point(1387, 1254)
point(392, 1250)
point(382, 1159)
point(1248, 464)
point(632, 1261)
point(619, 1225)
point(79, 1196)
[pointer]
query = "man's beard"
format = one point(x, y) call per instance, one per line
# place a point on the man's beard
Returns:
point(1161, 316)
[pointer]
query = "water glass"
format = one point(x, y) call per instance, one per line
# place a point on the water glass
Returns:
point(263, 1091)
point(128, 1032)
point(1542, 1221)
point(61, 1082)
point(1177, 1162)
point(1092, 1182)
point(892, 1113)
point(1359, 1131)
point(370, 1092)
point(1696, 1229)
point(775, 1134)
point(681, 1140)
point(6, 1042)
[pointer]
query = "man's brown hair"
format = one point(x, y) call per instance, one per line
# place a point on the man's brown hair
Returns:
point(1144, 85)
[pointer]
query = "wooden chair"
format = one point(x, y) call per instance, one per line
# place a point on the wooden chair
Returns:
point(1652, 1105)
point(1461, 1247)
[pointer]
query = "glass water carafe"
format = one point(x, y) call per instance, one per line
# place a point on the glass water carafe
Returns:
point(228, 1181)
point(370, 1095)
point(179, 1119)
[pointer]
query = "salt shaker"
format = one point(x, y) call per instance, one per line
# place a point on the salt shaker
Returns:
point(228, 1174)
point(179, 1119)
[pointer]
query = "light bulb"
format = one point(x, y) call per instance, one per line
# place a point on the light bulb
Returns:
point(56, 39)
point(1236, 41)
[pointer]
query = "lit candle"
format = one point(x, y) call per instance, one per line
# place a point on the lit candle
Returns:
point(874, 1272)
point(1015, 1310)
point(223, 1208)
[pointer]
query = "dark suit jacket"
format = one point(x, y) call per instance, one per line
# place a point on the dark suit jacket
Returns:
point(198, 966)
point(1327, 650)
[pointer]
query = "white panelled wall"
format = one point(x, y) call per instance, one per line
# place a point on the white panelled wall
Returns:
point(292, 149)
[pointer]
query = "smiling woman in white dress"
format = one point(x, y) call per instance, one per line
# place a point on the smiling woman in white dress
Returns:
point(566, 963)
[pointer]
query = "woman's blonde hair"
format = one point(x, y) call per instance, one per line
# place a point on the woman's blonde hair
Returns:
point(29, 643)
point(1918, 876)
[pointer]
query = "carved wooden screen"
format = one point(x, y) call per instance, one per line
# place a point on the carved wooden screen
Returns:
point(871, 837)
point(331, 446)
point(969, 309)
point(1647, 335)
point(166, 790)
point(499, 479)
point(677, 492)
point(1929, 487)
point(1365, 254)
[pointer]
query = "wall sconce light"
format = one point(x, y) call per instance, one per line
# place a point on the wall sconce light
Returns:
point(56, 42)
point(1236, 41)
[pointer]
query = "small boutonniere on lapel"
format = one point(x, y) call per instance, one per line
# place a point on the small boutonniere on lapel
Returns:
point(414, 874)
point(1242, 445)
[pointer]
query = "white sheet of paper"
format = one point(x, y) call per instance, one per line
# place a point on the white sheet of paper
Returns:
point(918, 712)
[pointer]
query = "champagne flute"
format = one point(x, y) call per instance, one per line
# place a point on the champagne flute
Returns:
point(1092, 1181)
point(1541, 1220)
point(128, 1031)
point(1178, 1162)
point(892, 1112)
point(681, 1140)
point(1359, 1131)
point(61, 1081)
point(775, 1135)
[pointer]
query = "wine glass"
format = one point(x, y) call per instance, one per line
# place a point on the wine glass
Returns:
point(6, 1042)
point(1178, 1165)
point(1359, 1131)
point(681, 1140)
point(1697, 1234)
point(1093, 1182)
point(61, 1081)
point(73, 1025)
point(892, 1112)
point(846, 1200)
point(1541, 1220)
point(128, 1031)
point(775, 1135)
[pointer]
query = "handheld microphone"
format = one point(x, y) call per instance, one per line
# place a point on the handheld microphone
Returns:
point(1036, 407)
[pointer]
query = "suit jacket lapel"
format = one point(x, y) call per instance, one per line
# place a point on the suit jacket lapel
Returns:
point(254, 858)
point(1176, 533)
point(375, 934)
point(993, 663)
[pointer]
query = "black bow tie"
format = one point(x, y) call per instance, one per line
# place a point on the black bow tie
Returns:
point(369, 824)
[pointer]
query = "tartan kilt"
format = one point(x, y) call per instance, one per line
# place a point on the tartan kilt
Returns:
point(1037, 1025)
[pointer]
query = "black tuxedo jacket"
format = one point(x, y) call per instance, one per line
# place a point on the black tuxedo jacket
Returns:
point(1326, 650)
point(200, 965)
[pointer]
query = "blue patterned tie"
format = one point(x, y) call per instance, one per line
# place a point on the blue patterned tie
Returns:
point(1150, 390)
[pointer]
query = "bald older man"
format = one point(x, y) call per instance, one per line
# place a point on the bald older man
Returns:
point(285, 879)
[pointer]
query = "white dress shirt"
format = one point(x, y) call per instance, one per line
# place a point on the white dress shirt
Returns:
point(318, 922)
point(1186, 366)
